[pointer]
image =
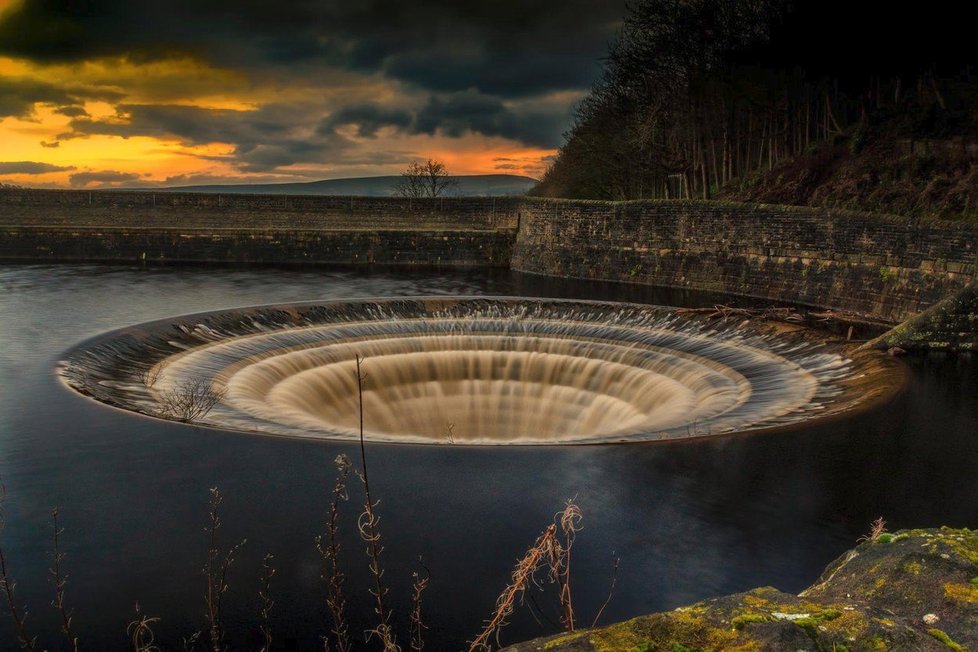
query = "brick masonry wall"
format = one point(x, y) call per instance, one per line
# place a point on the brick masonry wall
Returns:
point(886, 267)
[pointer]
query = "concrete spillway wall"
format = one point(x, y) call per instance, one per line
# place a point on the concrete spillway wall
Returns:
point(885, 267)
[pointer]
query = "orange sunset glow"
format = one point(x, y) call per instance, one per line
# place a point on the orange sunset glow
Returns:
point(87, 100)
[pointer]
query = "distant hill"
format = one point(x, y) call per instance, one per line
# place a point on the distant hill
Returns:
point(481, 185)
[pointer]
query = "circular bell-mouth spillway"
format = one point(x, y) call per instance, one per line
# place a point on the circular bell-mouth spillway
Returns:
point(472, 371)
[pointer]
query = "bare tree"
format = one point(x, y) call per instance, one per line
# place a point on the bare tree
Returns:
point(190, 400)
point(428, 179)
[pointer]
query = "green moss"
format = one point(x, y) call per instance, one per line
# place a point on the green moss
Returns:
point(886, 537)
point(962, 593)
point(560, 640)
point(912, 568)
point(812, 623)
point(739, 622)
point(675, 646)
point(617, 637)
point(974, 580)
point(946, 640)
point(964, 543)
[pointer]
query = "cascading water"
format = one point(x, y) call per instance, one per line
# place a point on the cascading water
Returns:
point(475, 371)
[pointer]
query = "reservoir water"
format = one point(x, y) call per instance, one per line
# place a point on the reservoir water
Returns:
point(689, 520)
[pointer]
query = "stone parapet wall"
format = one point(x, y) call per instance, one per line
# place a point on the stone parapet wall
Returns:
point(136, 209)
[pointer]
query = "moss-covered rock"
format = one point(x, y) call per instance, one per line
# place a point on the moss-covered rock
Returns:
point(911, 590)
point(951, 324)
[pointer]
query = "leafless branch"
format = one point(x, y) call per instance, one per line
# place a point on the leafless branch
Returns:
point(367, 524)
point(570, 524)
point(140, 632)
point(422, 578)
point(430, 179)
point(329, 550)
point(189, 401)
point(265, 602)
point(544, 549)
point(58, 579)
point(7, 583)
point(611, 591)
point(152, 374)
point(216, 570)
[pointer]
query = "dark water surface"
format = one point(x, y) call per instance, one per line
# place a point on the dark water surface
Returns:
point(688, 520)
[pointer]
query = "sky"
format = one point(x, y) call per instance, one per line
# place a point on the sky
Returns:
point(109, 93)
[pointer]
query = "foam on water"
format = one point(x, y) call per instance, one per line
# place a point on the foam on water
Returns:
point(472, 371)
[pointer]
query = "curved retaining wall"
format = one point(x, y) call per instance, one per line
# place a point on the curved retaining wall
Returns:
point(885, 267)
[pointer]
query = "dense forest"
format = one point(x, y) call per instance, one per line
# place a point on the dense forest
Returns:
point(774, 100)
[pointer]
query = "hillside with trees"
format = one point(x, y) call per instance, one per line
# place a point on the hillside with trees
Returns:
point(790, 102)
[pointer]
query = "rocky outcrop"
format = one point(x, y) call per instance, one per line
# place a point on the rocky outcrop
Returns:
point(912, 590)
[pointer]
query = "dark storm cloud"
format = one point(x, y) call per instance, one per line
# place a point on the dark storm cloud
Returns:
point(459, 113)
point(18, 96)
point(71, 111)
point(453, 68)
point(30, 167)
point(368, 119)
point(82, 179)
point(191, 125)
point(280, 135)
point(264, 139)
point(456, 115)
point(508, 48)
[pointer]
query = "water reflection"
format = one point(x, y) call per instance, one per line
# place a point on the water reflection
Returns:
point(689, 520)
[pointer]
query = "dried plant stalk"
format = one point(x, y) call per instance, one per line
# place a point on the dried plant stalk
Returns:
point(59, 580)
point(7, 583)
point(265, 602)
point(876, 530)
point(611, 591)
point(216, 570)
point(367, 525)
point(152, 374)
point(544, 551)
point(329, 549)
point(570, 524)
point(140, 632)
point(422, 578)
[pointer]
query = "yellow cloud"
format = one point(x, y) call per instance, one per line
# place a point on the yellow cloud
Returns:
point(171, 80)
point(190, 82)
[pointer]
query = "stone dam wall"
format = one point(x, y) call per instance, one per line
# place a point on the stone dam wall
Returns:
point(884, 267)
point(165, 227)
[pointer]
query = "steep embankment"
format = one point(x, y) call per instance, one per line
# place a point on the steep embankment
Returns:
point(913, 590)
point(891, 168)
